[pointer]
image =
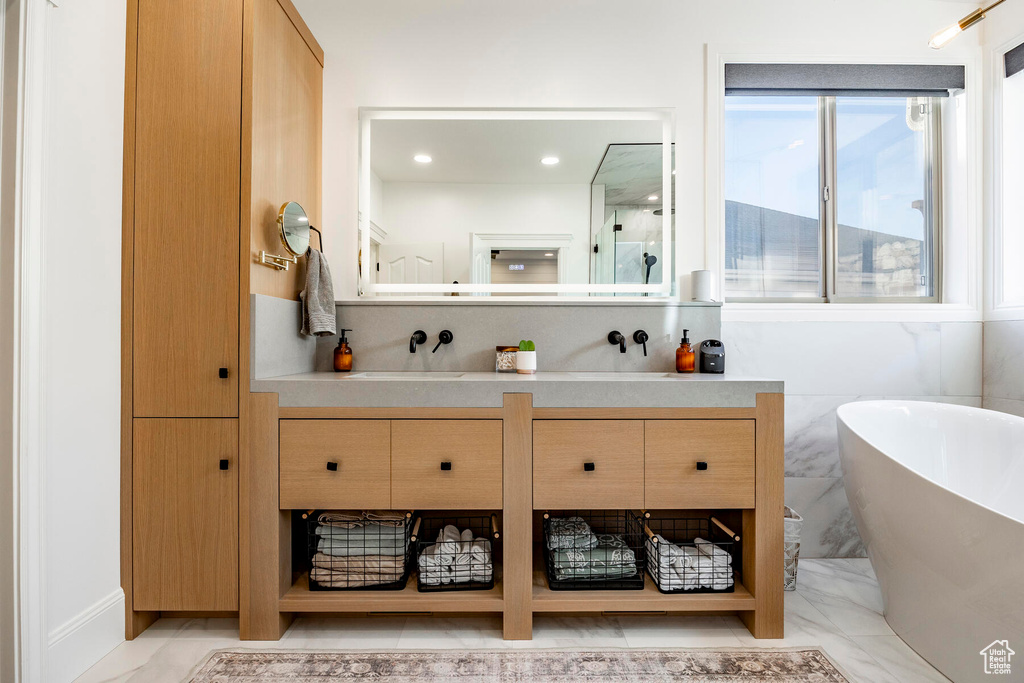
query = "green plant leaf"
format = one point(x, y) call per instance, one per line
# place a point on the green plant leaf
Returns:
point(530, 346)
point(522, 345)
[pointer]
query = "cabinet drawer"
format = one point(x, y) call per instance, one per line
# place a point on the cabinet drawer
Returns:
point(588, 464)
point(446, 464)
point(360, 476)
point(674, 477)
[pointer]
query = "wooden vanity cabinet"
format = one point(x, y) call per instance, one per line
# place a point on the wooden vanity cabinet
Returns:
point(185, 514)
point(446, 464)
point(335, 464)
point(698, 464)
point(588, 464)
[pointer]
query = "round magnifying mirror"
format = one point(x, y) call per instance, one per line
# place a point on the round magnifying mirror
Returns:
point(294, 228)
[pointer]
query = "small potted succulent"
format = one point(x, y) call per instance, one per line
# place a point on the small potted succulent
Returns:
point(526, 358)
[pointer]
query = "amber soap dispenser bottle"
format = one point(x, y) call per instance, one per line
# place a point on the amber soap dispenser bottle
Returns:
point(343, 354)
point(684, 354)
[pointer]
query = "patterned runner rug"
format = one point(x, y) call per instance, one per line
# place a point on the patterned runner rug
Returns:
point(546, 666)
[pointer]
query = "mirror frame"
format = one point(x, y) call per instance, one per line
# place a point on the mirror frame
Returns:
point(367, 115)
point(283, 233)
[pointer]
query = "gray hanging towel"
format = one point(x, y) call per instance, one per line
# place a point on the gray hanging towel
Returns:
point(318, 312)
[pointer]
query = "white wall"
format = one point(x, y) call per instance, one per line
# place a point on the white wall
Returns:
point(81, 327)
point(449, 212)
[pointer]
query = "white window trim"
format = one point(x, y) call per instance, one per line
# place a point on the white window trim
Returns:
point(995, 307)
point(963, 299)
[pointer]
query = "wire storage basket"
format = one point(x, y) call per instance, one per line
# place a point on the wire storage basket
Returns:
point(594, 550)
point(456, 553)
point(352, 550)
point(692, 554)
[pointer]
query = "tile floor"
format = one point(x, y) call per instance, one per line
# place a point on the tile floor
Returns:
point(837, 606)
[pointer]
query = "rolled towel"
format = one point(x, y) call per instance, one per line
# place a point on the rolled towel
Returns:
point(481, 551)
point(722, 558)
point(449, 539)
point(436, 576)
point(432, 557)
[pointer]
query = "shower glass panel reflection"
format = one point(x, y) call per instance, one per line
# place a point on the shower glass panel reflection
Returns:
point(628, 242)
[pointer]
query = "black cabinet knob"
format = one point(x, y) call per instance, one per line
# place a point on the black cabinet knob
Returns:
point(224, 463)
point(223, 373)
point(588, 467)
point(446, 466)
point(701, 465)
point(332, 466)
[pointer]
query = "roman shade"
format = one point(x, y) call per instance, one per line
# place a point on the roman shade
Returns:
point(857, 80)
point(1014, 60)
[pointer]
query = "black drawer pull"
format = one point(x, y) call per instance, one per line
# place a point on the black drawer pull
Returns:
point(701, 465)
point(332, 466)
point(588, 467)
point(223, 373)
point(446, 466)
point(224, 464)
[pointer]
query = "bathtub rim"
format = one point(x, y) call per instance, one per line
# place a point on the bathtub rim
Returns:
point(951, 407)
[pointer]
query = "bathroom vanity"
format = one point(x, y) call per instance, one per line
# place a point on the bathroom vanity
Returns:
point(518, 445)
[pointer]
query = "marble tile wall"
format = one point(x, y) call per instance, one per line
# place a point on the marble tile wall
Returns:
point(1004, 366)
point(828, 364)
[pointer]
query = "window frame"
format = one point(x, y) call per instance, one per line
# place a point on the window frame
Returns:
point(828, 192)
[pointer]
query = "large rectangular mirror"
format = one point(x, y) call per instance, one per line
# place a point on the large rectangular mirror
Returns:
point(515, 202)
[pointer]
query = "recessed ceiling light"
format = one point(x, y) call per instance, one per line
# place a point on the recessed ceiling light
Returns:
point(549, 254)
point(549, 161)
point(653, 198)
point(422, 158)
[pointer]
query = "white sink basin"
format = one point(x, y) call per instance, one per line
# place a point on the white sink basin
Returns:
point(409, 375)
point(619, 375)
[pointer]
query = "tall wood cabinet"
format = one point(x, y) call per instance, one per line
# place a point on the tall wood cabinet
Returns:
point(223, 107)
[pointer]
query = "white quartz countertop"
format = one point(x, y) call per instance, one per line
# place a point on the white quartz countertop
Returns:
point(485, 389)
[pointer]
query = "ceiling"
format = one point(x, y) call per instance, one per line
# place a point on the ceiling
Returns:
point(499, 152)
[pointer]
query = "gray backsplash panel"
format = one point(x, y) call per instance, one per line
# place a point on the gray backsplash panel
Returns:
point(569, 337)
point(276, 346)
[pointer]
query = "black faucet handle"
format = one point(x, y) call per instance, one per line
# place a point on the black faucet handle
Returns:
point(418, 337)
point(445, 337)
point(616, 337)
point(641, 337)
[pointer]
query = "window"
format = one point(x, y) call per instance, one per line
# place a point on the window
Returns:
point(832, 181)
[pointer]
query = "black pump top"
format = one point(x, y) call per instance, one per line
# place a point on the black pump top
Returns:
point(344, 339)
point(686, 337)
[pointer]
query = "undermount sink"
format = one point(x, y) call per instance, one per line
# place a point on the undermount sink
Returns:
point(409, 375)
point(619, 375)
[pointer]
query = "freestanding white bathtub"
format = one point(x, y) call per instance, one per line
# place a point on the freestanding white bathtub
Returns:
point(938, 494)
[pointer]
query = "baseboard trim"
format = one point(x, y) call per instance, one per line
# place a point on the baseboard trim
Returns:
point(86, 638)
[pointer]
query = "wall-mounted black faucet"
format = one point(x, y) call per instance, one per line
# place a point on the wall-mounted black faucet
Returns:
point(616, 337)
point(640, 337)
point(418, 337)
point(445, 337)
